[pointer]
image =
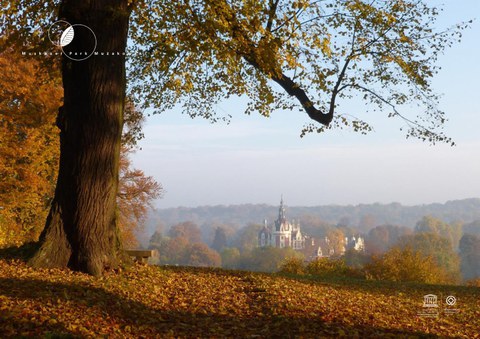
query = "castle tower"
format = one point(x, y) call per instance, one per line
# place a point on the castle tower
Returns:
point(282, 233)
point(281, 212)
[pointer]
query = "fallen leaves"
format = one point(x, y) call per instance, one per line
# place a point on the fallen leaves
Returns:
point(148, 301)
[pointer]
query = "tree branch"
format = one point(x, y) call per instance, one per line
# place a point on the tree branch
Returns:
point(294, 90)
point(272, 14)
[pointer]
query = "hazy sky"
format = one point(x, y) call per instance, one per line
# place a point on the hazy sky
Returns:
point(256, 159)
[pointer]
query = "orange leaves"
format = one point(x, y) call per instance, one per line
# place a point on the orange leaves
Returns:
point(136, 191)
point(30, 95)
point(148, 301)
point(29, 100)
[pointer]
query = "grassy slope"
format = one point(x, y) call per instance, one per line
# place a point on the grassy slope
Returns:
point(146, 301)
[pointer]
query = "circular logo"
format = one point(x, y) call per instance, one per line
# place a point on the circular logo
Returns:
point(56, 30)
point(451, 300)
point(77, 42)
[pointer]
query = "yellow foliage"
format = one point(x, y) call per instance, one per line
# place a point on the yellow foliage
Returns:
point(406, 264)
point(29, 150)
point(30, 96)
point(293, 266)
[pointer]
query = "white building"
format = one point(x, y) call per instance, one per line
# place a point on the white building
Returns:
point(282, 233)
point(285, 234)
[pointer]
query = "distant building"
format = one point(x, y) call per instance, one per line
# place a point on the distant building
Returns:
point(355, 243)
point(285, 234)
point(325, 248)
point(282, 233)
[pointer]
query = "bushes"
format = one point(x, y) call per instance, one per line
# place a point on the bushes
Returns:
point(473, 282)
point(293, 266)
point(325, 266)
point(321, 267)
point(398, 264)
point(406, 264)
point(266, 259)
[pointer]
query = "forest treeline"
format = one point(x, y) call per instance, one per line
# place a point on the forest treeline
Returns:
point(433, 251)
point(362, 215)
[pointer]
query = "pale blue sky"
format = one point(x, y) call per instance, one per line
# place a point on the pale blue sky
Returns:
point(255, 159)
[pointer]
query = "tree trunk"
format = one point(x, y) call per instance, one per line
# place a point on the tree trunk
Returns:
point(81, 230)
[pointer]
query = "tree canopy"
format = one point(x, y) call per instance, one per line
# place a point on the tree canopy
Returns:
point(304, 54)
point(287, 54)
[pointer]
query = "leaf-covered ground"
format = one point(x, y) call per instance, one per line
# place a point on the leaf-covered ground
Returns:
point(148, 301)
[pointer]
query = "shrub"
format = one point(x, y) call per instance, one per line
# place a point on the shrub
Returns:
point(473, 282)
point(325, 266)
point(406, 265)
point(293, 265)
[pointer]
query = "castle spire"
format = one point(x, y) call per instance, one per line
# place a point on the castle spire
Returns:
point(281, 210)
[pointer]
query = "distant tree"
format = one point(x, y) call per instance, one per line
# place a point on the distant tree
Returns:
point(220, 240)
point(230, 257)
point(472, 228)
point(344, 221)
point(456, 229)
point(184, 246)
point(381, 238)
point(247, 237)
point(348, 231)
point(337, 240)
point(378, 240)
point(438, 248)
point(156, 240)
point(314, 226)
point(406, 264)
point(356, 259)
point(172, 250)
point(266, 259)
point(470, 256)
point(188, 230)
point(367, 222)
point(452, 232)
point(199, 254)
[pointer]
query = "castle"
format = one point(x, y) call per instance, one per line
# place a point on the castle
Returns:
point(282, 234)
point(285, 234)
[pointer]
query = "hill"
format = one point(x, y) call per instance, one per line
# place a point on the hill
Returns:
point(466, 210)
point(150, 301)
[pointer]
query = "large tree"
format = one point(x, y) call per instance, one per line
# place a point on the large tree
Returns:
point(81, 229)
point(29, 100)
point(280, 54)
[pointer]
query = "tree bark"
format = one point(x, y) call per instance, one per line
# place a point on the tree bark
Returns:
point(81, 230)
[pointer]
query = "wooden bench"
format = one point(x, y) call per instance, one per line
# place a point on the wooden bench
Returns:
point(141, 255)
